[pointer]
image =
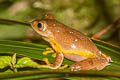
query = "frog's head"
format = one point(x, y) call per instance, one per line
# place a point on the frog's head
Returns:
point(45, 27)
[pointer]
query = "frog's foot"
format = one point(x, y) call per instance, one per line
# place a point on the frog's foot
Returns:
point(46, 65)
point(107, 57)
point(64, 66)
point(46, 60)
point(43, 66)
point(49, 50)
point(97, 63)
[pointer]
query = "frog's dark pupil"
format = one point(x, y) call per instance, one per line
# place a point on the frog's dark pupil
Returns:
point(39, 25)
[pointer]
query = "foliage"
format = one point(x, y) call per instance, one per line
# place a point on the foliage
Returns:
point(20, 63)
point(5, 61)
point(35, 51)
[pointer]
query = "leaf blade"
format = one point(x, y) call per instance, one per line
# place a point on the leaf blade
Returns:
point(35, 51)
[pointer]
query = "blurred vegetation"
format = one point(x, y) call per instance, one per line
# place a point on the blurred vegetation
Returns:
point(87, 16)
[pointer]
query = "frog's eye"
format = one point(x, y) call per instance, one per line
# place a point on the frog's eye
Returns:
point(41, 26)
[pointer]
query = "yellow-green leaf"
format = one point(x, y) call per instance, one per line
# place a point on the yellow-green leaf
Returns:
point(5, 61)
point(26, 62)
point(13, 60)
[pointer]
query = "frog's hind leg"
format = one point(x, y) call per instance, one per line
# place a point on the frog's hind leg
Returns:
point(96, 63)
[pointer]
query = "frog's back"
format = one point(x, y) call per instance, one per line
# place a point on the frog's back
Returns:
point(70, 39)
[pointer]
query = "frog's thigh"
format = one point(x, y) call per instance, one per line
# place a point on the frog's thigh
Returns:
point(96, 63)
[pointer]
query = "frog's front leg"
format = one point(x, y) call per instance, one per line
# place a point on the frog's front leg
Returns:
point(96, 63)
point(49, 50)
point(57, 63)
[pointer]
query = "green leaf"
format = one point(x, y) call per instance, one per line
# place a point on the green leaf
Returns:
point(26, 62)
point(5, 61)
point(35, 51)
point(22, 48)
point(13, 61)
point(9, 70)
point(45, 74)
point(11, 22)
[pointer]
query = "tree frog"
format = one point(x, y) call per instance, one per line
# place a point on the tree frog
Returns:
point(71, 44)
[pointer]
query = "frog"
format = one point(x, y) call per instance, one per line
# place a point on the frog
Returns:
point(70, 44)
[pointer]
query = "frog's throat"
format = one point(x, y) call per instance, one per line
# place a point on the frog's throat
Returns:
point(58, 48)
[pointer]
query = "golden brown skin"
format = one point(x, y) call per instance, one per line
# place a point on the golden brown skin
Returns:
point(71, 44)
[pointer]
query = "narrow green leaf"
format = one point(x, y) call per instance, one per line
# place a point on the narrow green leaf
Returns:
point(13, 61)
point(35, 51)
point(109, 49)
point(8, 22)
point(26, 49)
point(45, 74)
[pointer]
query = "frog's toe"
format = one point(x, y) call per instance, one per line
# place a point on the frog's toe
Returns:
point(109, 59)
point(62, 67)
point(46, 60)
point(47, 51)
point(75, 68)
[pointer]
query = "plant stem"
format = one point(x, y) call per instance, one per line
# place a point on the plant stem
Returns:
point(4, 21)
point(15, 69)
